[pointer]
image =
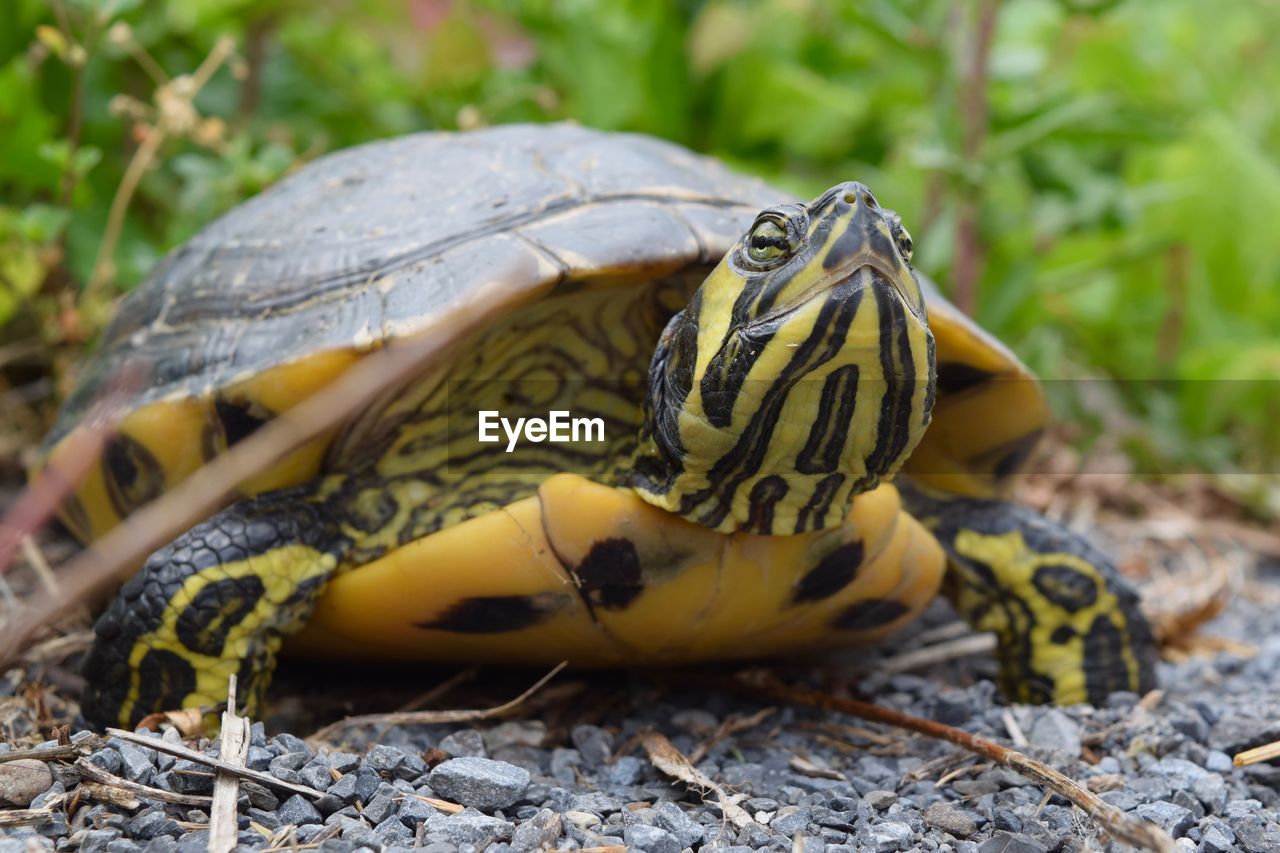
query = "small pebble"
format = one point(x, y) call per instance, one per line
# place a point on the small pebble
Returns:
point(23, 780)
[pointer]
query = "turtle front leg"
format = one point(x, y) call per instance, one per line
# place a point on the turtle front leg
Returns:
point(216, 601)
point(1068, 627)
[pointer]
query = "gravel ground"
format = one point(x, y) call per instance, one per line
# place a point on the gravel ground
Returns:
point(808, 780)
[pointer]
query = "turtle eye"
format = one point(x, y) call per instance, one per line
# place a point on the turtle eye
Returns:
point(768, 243)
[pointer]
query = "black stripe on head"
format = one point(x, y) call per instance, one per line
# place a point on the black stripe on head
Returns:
point(824, 342)
point(743, 343)
point(815, 511)
point(893, 428)
point(765, 496)
point(493, 614)
point(821, 452)
point(833, 573)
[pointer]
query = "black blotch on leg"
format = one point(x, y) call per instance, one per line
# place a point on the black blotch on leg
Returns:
point(609, 577)
point(872, 613)
point(833, 573)
point(492, 614)
point(165, 678)
point(1067, 587)
point(219, 607)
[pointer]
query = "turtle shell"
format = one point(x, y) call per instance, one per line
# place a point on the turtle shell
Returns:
point(361, 247)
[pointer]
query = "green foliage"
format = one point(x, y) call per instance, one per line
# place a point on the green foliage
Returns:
point(1116, 160)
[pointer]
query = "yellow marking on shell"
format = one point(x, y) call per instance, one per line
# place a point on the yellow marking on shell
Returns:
point(1015, 564)
point(280, 570)
point(179, 432)
point(716, 596)
point(279, 389)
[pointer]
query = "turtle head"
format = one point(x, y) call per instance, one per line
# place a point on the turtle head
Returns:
point(800, 373)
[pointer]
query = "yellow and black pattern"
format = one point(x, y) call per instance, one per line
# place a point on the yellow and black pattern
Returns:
point(1069, 629)
point(218, 601)
point(801, 373)
point(738, 505)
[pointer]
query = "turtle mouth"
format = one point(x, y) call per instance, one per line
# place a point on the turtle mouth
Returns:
point(867, 276)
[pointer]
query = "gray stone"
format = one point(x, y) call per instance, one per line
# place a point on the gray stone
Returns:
point(791, 822)
point(1053, 729)
point(537, 833)
point(1217, 838)
point(316, 775)
point(344, 789)
point(464, 743)
point(367, 784)
point(152, 823)
point(1009, 842)
point(414, 811)
point(285, 742)
point(650, 839)
point(593, 743)
point(1218, 761)
point(298, 810)
point(23, 780)
point(259, 758)
point(384, 759)
point(470, 827)
point(673, 819)
point(627, 770)
point(890, 836)
point(479, 782)
point(391, 831)
point(269, 820)
point(136, 763)
point(379, 809)
point(880, 800)
point(190, 777)
point(949, 819)
point(285, 767)
point(96, 840)
point(1170, 817)
point(1211, 790)
point(109, 760)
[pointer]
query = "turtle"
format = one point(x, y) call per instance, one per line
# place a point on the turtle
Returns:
point(744, 426)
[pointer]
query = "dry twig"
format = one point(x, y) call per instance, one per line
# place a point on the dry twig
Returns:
point(216, 763)
point(234, 750)
point(971, 644)
point(1123, 827)
point(95, 773)
point(671, 761)
point(411, 718)
point(1266, 752)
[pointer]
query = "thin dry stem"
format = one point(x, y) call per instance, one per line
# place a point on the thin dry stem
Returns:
point(410, 718)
